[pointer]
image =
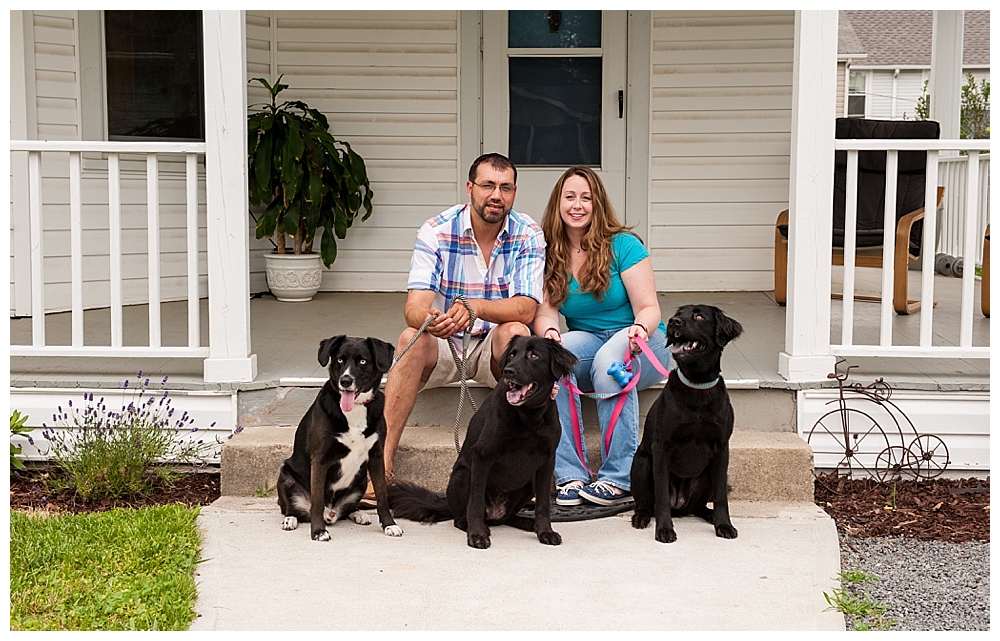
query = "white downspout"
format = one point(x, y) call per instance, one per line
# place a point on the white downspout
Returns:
point(895, 93)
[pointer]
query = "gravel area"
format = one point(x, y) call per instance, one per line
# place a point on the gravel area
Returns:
point(927, 585)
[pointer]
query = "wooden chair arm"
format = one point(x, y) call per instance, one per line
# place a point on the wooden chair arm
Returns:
point(905, 225)
point(985, 284)
point(903, 229)
point(780, 261)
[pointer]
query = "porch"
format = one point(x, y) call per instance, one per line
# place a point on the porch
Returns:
point(131, 236)
point(770, 457)
point(285, 337)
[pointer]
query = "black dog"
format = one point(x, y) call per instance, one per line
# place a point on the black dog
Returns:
point(509, 452)
point(683, 460)
point(339, 442)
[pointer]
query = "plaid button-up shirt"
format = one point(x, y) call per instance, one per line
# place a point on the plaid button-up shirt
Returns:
point(447, 260)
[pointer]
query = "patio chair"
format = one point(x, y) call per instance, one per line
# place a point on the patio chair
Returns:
point(871, 206)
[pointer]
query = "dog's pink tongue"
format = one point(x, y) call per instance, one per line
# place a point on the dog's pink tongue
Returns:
point(346, 401)
point(517, 395)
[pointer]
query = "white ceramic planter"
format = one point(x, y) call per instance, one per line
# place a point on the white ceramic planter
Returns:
point(293, 278)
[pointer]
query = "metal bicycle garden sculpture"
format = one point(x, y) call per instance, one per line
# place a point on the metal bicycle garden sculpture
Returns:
point(858, 435)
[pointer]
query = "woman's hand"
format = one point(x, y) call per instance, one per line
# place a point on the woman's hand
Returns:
point(553, 333)
point(637, 330)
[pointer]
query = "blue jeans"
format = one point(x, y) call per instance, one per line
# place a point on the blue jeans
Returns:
point(597, 351)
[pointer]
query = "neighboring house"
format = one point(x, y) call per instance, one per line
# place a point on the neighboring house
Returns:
point(709, 123)
point(884, 59)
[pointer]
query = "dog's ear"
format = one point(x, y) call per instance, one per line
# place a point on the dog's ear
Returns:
point(726, 329)
point(328, 346)
point(514, 340)
point(563, 361)
point(382, 353)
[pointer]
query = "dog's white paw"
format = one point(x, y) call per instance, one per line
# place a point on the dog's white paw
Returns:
point(323, 535)
point(393, 530)
point(290, 523)
point(329, 516)
point(360, 518)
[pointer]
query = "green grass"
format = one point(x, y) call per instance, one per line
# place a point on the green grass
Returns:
point(857, 576)
point(264, 491)
point(859, 608)
point(115, 570)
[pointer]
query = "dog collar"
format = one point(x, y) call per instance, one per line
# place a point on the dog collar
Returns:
point(694, 385)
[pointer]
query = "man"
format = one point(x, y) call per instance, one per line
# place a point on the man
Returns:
point(486, 252)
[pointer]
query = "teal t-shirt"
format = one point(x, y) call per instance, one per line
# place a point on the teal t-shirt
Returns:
point(584, 312)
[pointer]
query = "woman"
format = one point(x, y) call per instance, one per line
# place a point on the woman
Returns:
point(599, 277)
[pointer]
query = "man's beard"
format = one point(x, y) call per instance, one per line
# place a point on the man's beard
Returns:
point(488, 216)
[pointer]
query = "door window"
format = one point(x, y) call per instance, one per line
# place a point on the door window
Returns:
point(555, 85)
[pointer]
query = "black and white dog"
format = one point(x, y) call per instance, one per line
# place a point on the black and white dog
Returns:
point(339, 442)
point(683, 460)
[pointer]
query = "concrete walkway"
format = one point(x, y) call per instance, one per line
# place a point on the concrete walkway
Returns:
point(258, 577)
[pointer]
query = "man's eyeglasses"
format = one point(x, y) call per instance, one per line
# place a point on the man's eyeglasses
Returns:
point(506, 188)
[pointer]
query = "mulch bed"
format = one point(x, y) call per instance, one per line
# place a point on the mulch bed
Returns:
point(951, 510)
point(32, 489)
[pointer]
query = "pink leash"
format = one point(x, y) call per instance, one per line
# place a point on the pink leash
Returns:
point(622, 396)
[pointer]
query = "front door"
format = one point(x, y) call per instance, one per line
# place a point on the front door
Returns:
point(554, 96)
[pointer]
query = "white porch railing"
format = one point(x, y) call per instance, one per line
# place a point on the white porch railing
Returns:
point(953, 173)
point(152, 152)
point(970, 211)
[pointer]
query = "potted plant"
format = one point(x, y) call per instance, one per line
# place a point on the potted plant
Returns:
point(306, 180)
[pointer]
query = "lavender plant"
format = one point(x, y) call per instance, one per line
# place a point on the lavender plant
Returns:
point(115, 453)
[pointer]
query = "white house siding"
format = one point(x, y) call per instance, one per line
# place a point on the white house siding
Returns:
point(54, 43)
point(841, 86)
point(719, 145)
point(53, 113)
point(886, 102)
point(388, 83)
point(56, 73)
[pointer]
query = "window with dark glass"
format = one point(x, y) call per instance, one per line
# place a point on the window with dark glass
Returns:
point(555, 76)
point(155, 86)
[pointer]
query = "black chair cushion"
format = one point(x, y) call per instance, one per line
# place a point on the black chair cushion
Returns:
point(910, 181)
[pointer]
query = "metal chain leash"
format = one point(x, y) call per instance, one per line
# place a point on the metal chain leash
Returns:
point(460, 363)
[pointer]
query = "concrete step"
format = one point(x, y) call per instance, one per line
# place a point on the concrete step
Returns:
point(758, 410)
point(768, 461)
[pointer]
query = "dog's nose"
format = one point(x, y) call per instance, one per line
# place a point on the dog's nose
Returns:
point(346, 381)
point(507, 371)
point(673, 322)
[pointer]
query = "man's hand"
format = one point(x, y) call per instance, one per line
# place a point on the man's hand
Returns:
point(452, 322)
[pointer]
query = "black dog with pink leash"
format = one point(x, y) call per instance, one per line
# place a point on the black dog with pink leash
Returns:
point(683, 458)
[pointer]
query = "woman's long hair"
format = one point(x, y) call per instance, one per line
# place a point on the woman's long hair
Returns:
point(604, 224)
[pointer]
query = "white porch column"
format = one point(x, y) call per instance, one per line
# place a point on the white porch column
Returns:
point(945, 86)
point(229, 358)
point(807, 354)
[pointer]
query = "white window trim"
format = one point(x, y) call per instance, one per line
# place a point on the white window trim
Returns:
point(848, 94)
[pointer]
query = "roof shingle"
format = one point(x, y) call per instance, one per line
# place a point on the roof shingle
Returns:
point(904, 37)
